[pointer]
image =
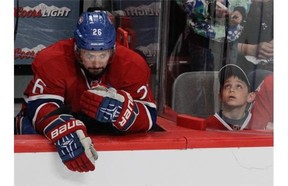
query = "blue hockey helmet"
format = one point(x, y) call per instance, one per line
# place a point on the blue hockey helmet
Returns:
point(95, 31)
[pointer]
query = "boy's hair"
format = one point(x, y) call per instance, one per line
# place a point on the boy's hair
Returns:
point(230, 70)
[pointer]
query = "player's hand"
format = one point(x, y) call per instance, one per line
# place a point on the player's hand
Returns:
point(108, 105)
point(77, 152)
point(73, 145)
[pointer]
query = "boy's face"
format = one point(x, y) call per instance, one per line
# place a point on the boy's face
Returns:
point(235, 92)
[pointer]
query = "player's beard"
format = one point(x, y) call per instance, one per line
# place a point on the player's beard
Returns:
point(95, 71)
point(90, 74)
point(94, 75)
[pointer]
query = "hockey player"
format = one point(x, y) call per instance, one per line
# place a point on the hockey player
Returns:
point(83, 85)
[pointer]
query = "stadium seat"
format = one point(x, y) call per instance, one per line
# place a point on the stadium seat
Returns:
point(196, 93)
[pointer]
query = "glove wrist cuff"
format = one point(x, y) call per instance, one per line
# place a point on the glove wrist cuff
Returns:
point(128, 115)
point(56, 130)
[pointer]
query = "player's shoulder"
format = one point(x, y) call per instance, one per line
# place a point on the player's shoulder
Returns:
point(60, 48)
point(129, 58)
point(58, 56)
point(128, 69)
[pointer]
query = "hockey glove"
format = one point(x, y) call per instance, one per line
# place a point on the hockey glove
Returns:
point(74, 147)
point(108, 105)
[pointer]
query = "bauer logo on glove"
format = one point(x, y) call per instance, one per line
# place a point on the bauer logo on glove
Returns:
point(74, 146)
point(108, 105)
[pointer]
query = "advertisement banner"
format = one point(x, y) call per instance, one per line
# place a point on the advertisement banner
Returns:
point(39, 24)
point(145, 19)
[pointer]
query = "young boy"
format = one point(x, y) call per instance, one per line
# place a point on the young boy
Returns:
point(236, 95)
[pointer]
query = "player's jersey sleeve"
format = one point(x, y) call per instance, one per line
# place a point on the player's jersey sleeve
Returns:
point(43, 95)
point(46, 91)
point(130, 72)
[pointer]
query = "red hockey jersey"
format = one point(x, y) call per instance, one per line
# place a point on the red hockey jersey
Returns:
point(59, 79)
point(217, 122)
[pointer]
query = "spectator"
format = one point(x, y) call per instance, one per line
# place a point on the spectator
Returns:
point(262, 109)
point(247, 103)
point(256, 44)
point(213, 28)
point(236, 96)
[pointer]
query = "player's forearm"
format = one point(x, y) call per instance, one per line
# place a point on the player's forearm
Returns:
point(145, 119)
point(41, 117)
